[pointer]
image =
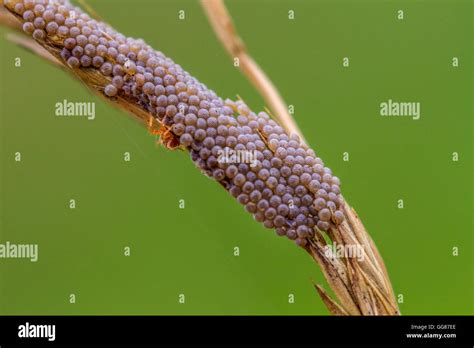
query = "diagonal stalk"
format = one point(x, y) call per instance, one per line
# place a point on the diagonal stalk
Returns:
point(361, 287)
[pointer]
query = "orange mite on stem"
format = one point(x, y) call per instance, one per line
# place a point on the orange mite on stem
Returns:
point(167, 138)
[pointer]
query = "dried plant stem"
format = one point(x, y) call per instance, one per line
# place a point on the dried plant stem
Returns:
point(32, 46)
point(362, 287)
point(224, 28)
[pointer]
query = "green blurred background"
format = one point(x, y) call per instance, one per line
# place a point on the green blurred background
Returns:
point(190, 251)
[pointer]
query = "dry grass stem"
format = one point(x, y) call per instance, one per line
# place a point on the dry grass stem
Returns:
point(225, 30)
point(361, 286)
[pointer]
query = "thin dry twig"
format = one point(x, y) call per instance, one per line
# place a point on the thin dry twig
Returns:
point(224, 28)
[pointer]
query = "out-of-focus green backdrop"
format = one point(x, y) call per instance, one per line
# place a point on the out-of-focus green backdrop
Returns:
point(190, 251)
